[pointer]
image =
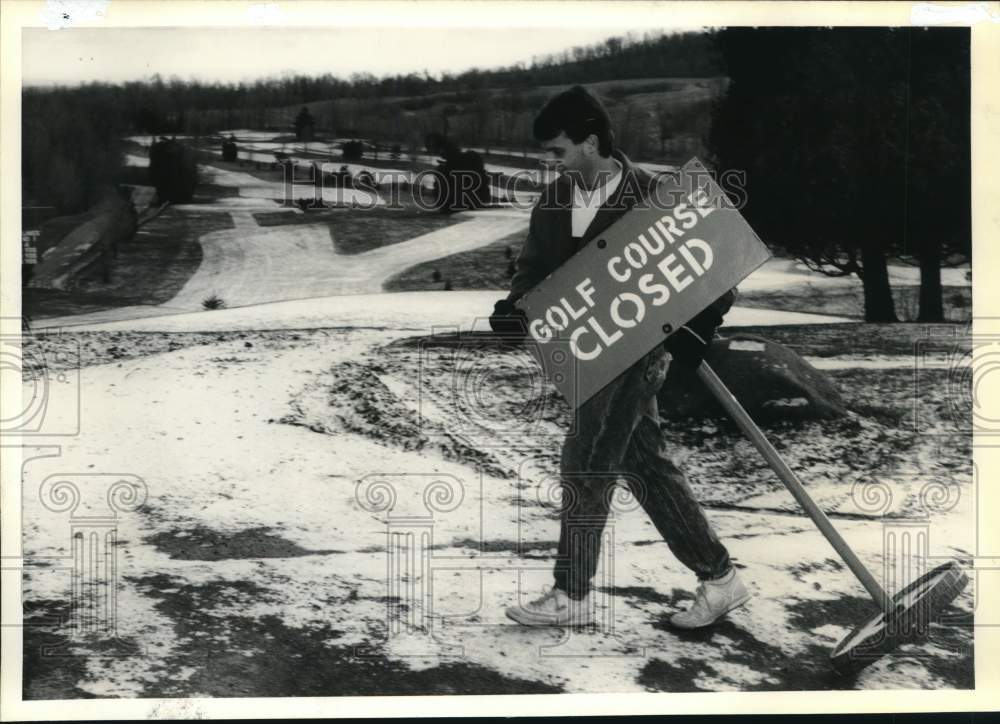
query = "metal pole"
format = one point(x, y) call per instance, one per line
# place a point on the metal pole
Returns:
point(791, 481)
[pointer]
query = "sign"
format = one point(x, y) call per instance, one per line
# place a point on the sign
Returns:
point(648, 274)
point(29, 252)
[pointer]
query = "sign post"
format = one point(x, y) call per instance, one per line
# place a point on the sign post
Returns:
point(648, 274)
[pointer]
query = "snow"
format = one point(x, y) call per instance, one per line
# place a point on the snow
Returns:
point(778, 274)
point(197, 425)
point(400, 310)
point(244, 134)
point(252, 187)
point(885, 362)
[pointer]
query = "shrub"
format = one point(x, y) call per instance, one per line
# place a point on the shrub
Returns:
point(213, 302)
point(352, 151)
point(229, 150)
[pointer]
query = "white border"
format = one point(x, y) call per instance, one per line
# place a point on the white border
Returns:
point(17, 14)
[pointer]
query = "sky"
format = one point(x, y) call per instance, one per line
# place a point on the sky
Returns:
point(71, 56)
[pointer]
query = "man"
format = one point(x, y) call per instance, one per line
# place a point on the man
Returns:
point(618, 434)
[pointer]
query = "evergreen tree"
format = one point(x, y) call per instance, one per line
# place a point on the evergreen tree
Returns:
point(823, 123)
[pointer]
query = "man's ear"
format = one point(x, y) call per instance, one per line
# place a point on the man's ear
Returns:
point(592, 144)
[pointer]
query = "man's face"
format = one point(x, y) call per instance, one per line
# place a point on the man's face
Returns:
point(566, 157)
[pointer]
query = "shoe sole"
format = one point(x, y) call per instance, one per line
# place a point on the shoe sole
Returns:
point(732, 607)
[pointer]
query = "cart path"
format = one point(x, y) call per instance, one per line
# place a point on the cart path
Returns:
point(250, 264)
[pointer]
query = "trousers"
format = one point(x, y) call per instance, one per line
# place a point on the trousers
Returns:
point(618, 437)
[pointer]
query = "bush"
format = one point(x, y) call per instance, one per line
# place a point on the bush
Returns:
point(213, 302)
point(229, 150)
point(462, 182)
point(352, 151)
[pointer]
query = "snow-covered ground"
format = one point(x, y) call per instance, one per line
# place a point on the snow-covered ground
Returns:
point(258, 562)
point(132, 159)
point(779, 274)
point(399, 310)
point(252, 187)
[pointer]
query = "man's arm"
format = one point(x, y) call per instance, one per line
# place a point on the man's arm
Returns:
point(689, 344)
point(507, 319)
point(530, 266)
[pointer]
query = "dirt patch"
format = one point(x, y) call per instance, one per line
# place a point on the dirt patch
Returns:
point(780, 669)
point(659, 675)
point(483, 268)
point(264, 657)
point(487, 391)
point(801, 570)
point(635, 596)
point(862, 339)
point(51, 351)
point(953, 661)
point(352, 396)
point(907, 424)
point(53, 666)
point(521, 549)
point(204, 544)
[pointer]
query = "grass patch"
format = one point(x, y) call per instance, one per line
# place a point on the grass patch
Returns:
point(355, 231)
point(207, 193)
point(150, 269)
point(483, 268)
point(55, 230)
point(850, 302)
point(863, 338)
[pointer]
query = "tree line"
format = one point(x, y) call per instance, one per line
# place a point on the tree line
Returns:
point(854, 141)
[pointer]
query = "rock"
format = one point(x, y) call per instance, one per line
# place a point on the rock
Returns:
point(770, 380)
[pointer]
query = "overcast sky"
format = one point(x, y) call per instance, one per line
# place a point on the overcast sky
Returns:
point(69, 56)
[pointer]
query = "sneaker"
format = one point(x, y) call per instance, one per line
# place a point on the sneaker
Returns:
point(713, 600)
point(553, 608)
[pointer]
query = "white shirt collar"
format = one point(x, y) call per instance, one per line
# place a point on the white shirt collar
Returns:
point(587, 202)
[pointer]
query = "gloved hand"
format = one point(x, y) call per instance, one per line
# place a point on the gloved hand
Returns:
point(689, 344)
point(508, 321)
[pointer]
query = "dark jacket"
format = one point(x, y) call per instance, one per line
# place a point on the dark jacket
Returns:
point(550, 239)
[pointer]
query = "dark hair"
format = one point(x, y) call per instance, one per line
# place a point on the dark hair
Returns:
point(577, 113)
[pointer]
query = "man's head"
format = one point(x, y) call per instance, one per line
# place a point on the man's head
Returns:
point(575, 131)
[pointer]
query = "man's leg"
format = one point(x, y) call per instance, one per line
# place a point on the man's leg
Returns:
point(591, 462)
point(665, 495)
point(667, 498)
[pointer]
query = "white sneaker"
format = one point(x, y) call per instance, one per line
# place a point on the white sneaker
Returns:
point(712, 601)
point(553, 608)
